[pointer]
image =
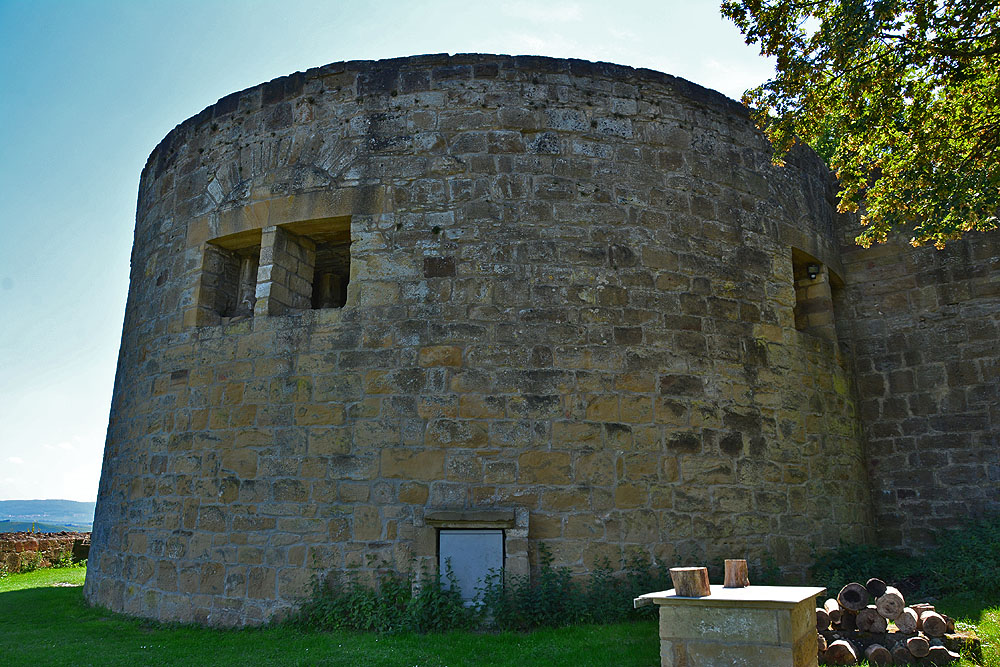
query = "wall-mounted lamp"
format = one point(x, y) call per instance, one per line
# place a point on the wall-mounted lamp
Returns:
point(813, 271)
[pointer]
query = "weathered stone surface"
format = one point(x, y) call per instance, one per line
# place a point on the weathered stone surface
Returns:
point(582, 308)
point(42, 549)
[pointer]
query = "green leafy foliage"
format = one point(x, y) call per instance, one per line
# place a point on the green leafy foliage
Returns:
point(859, 562)
point(65, 560)
point(968, 559)
point(392, 606)
point(31, 561)
point(902, 97)
point(964, 561)
point(553, 598)
point(438, 607)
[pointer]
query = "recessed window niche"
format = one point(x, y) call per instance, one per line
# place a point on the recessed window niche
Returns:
point(304, 265)
point(276, 270)
point(229, 275)
point(815, 285)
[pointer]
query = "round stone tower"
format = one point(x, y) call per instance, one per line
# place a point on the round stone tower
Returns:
point(376, 305)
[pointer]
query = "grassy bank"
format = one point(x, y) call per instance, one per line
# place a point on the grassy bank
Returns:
point(45, 623)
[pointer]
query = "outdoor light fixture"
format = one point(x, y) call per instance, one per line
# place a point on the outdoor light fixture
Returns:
point(813, 271)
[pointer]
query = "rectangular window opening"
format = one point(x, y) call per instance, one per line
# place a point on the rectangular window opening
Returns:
point(814, 282)
point(229, 276)
point(331, 259)
point(276, 270)
point(468, 558)
point(331, 274)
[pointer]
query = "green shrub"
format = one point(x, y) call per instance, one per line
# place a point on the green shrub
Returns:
point(391, 606)
point(30, 561)
point(553, 598)
point(65, 560)
point(438, 607)
point(964, 559)
point(967, 559)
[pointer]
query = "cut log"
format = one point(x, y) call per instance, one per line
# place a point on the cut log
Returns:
point(939, 655)
point(949, 623)
point(822, 619)
point(848, 620)
point(690, 582)
point(820, 643)
point(876, 587)
point(918, 646)
point(901, 655)
point(933, 624)
point(833, 610)
point(853, 597)
point(736, 574)
point(906, 622)
point(841, 652)
point(890, 604)
point(920, 608)
point(869, 620)
point(876, 654)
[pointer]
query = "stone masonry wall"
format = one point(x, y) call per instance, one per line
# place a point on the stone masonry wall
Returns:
point(924, 326)
point(570, 309)
point(18, 549)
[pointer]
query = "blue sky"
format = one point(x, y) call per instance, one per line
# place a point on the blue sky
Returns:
point(88, 88)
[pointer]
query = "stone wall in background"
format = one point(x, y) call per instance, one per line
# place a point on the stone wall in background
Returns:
point(924, 328)
point(570, 308)
point(41, 549)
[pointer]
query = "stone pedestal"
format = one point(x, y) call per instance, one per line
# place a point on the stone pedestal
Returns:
point(756, 626)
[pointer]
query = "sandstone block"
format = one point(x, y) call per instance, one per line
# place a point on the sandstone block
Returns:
point(544, 467)
point(412, 464)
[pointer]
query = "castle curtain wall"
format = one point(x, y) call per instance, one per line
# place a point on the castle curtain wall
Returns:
point(924, 327)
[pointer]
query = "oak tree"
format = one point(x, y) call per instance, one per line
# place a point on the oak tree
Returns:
point(902, 97)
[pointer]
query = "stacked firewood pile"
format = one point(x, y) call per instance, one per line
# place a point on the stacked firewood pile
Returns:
point(873, 622)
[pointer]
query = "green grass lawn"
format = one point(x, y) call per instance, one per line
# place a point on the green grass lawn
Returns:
point(45, 623)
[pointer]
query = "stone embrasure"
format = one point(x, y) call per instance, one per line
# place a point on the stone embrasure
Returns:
point(569, 292)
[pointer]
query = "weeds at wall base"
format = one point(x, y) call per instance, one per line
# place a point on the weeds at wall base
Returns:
point(552, 598)
point(965, 561)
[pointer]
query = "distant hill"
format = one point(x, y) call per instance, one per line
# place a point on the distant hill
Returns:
point(64, 514)
point(7, 526)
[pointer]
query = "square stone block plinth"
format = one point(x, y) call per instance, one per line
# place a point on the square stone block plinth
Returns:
point(756, 626)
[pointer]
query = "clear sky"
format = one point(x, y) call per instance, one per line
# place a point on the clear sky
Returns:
point(88, 88)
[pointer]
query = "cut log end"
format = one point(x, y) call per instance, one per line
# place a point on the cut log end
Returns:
point(853, 596)
point(690, 582)
point(906, 622)
point(901, 655)
point(933, 624)
point(833, 610)
point(918, 646)
point(939, 655)
point(869, 620)
point(841, 652)
point(876, 654)
point(890, 604)
point(876, 587)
